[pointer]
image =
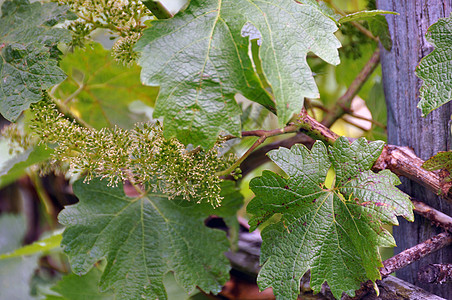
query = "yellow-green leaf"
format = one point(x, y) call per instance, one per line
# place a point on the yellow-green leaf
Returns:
point(100, 90)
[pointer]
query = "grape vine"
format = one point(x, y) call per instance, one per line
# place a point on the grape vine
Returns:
point(213, 66)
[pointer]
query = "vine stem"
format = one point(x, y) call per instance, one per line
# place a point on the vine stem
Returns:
point(304, 123)
point(415, 253)
point(406, 258)
point(316, 130)
point(436, 217)
point(263, 135)
point(44, 197)
point(358, 26)
point(376, 123)
point(348, 121)
point(343, 104)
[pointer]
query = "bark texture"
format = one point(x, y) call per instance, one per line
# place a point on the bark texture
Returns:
point(406, 127)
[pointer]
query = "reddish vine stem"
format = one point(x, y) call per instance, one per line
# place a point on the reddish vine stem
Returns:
point(376, 123)
point(316, 130)
point(403, 162)
point(259, 156)
point(438, 218)
point(406, 258)
point(415, 253)
point(343, 104)
point(263, 135)
point(348, 121)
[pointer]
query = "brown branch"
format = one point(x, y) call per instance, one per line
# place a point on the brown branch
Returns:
point(376, 123)
point(435, 273)
point(263, 135)
point(438, 218)
point(415, 253)
point(316, 130)
point(365, 31)
point(343, 104)
point(403, 162)
point(350, 122)
point(260, 157)
point(404, 259)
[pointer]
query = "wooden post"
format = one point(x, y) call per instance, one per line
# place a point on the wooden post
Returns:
point(406, 127)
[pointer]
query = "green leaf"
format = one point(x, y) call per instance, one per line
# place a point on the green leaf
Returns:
point(200, 60)
point(18, 165)
point(436, 68)
point(100, 90)
point(142, 239)
point(442, 160)
point(379, 27)
point(366, 14)
point(323, 8)
point(333, 231)
point(75, 287)
point(28, 46)
point(44, 245)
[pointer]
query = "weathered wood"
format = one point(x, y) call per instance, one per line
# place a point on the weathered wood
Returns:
point(406, 127)
point(436, 273)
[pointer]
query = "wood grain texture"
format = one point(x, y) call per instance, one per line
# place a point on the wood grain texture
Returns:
point(406, 127)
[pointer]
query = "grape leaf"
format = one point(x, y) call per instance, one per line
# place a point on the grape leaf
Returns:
point(43, 245)
point(378, 25)
point(142, 239)
point(323, 8)
point(442, 160)
point(18, 165)
point(28, 45)
point(70, 287)
point(100, 90)
point(365, 14)
point(200, 60)
point(333, 231)
point(436, 68)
